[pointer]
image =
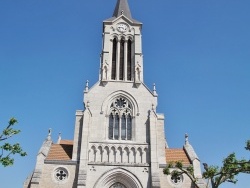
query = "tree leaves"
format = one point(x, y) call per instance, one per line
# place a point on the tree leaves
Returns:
point(231, 167)
point(7, 149)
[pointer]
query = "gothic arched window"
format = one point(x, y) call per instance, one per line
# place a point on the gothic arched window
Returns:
point(113, 72)
point(121, 59)
point(120, 120)
point(129, 61)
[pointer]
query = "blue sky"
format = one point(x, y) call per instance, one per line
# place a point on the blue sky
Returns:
point(197, 52)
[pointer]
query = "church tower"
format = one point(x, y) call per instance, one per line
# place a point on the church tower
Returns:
point(123, 137)
point(119, 139)
point(122, 48)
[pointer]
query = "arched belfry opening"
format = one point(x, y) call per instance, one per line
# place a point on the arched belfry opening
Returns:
point(122, 53)
point(113, 72)
point(122, 58)
point(129, 60)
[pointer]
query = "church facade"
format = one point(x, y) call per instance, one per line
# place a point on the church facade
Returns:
point(119, 139)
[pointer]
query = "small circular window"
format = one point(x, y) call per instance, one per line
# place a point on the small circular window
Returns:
point(61, 174)
point(177, 179)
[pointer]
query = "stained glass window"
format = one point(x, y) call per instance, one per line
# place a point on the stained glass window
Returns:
point(120, 120)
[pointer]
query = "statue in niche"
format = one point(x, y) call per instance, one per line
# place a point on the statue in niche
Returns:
point(105, 71)
point(138, 72)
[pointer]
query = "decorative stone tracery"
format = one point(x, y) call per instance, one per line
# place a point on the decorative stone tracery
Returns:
point(120, 120)
point(61, 174)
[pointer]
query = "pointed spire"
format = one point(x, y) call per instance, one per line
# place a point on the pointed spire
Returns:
point(122, 8)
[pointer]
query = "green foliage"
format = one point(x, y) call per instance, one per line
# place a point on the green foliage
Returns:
point(7, 149)
point(231, 167)
point(247, 145)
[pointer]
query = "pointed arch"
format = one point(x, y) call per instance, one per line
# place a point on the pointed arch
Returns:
point(134, 105)
point(122, 53)
point(114, 54)
point(120, 109)
point(129, 60)
point(118, 175)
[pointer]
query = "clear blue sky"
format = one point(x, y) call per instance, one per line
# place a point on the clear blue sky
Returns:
point(197, 52)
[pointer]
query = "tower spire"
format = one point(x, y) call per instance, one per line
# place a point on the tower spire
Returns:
point(122, 8)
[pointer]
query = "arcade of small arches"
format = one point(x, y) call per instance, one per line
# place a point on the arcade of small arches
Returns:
point(119, 154)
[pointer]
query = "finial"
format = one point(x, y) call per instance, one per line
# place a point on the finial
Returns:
point(154, 90)
point(122, 12)
point(186, 139)
point(87, 104)
point(49, 134)
point(153, 107)
point(86, 90)
point(59, 138)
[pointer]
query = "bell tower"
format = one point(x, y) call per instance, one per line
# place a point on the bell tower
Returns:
point(121, 57)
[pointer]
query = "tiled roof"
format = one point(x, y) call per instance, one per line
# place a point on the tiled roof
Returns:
point(62, 151)
point(66, 142)
point(174, 155)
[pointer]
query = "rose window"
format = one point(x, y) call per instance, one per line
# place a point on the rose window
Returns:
point(176, 179)
point(61, 174)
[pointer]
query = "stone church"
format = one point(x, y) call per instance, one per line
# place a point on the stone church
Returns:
point(119, 138)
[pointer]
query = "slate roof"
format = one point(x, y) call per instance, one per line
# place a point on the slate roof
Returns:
point(122, 8)
point(62, 151)
point(173, 155)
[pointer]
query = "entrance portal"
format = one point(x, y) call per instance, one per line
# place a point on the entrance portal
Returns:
point(118, 185)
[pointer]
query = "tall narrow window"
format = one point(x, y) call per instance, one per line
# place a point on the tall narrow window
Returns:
point(113, 72)
point(123, 129)
point(129, 127)
point(111, 126)
point(129, 61)
point(117, 127)
point(121, 72)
